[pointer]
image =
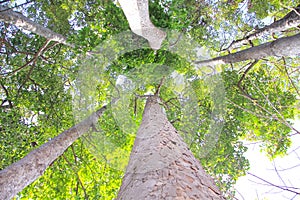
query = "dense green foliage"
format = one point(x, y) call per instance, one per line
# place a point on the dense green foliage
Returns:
point(37, 86)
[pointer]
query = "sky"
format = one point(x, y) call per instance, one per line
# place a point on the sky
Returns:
point(288, 168)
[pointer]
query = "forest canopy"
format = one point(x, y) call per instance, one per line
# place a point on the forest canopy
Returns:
point(86, 57)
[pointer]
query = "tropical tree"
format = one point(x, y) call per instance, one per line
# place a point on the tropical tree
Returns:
point(39, 71)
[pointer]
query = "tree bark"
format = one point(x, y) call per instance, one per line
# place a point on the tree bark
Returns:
point(18, 175)
point(292, 19)
point(287, 46)
point(137, 14)
point(19, 20)
point(161, 166)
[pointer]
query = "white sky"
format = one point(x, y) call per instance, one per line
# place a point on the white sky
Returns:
point(251, 188)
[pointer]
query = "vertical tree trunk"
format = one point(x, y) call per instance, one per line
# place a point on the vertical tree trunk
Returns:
point(137, 14)
point(18, 175)
point(161, 166)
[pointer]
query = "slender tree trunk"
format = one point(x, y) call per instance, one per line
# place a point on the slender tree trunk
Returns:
point(19, 20)
point(18, 175)
point(292, 19)
point(137, 14)
point(287, 46)
point(161, 166)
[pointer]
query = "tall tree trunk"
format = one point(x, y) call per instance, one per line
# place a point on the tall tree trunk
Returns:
point(161, 166)
point(9, 16)
point(292, 19)
point(18, 175)
point(137, 14)
point(287, 46)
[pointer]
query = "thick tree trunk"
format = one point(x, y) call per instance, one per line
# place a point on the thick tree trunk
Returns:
point(292, 19)
point(287, 46)
point(161, 166)
point(19, 20)
point(137, 14)
point(23, 172)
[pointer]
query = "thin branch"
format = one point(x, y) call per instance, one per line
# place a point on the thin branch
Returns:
point(74, 154)
point(40, 52)
point(4, 1)
point(275, 109)
point(159, 86)
point(291, 81)
point(243, 77)
point(249, 111)
point(33, 60)
point(77, 175)
point(7, 96)
point(51, 46)
point(18, 69)
point(288, 168)
point(14, 6)
point(173, 44)
point(42, 49)
point(135, 106)
point(275, 167)
point(165, 103)
point(5, 90)
point(4, 41)
point(296, 10)
point(239, 194)
point(272, 184)
point(170, 102)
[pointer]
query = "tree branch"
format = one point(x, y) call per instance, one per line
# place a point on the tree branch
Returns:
point(78, 178)
point(272, 184)
point(291, 81)
point(159, 87)
point(33, 60)
point(22, 4)
point(292, 19)
point(40, 52)
point(19, 20)
point(286, 46)
point(243, 77)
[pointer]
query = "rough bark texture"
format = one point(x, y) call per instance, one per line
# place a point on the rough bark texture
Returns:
point(161, 166)
point(292, 19)
point(19, 20)
point(287, 46)
point(137, 14)
point(23, 172)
